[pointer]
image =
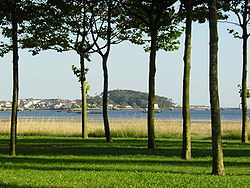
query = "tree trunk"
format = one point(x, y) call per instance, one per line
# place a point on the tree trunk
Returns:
point(84, 98)
point(151, 96)
point(105, 99)
point(244, 137)
point(13, 129)
point(218, 165)
point(105, 75)
point(186, 143)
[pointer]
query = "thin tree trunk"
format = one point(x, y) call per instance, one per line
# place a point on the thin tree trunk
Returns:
point(151, 96)
point(186, 144)
point(105, 75)
point(218, 165)
point(13, 129)
point(105, 100)
point(244, 137)
point(84, 98)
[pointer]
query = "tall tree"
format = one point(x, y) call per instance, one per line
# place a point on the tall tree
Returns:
point(109, 35)
point(14, 14)
point(14, 38)
point(14, 25)
point(154, 19)
point(186, 138)
point(105, 72)
point(9, 14)
point(218, 165)
point(241, 8)
point(194, 10)
point(64, 26)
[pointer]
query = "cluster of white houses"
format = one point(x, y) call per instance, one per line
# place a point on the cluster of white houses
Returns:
point(54, 104)
point(43, 104)
point(5, 104)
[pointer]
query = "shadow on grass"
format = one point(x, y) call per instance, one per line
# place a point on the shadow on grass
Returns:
point(114, 165)
point(10, 185)
point(120, 156)
point(58, 146)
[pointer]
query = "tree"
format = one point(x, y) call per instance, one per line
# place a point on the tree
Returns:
point(241, 8)
point(64, 26)
point(186, 145)
point(194, 10)
point(200, 15)
point(15, 15)
point(218, 165)
point(156, 21)
point(107, 11)
point(10, 18)
point(105, 72)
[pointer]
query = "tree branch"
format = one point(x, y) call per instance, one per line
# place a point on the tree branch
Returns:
point(229, 22)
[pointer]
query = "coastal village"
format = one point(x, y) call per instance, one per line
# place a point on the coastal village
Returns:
point(67, 104)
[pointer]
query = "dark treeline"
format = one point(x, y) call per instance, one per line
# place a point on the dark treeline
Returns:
point(94, 26)
point(135, 99)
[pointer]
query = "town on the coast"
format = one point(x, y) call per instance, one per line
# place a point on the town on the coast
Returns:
point(118, 100)
point(75, 105)
point(67, 104)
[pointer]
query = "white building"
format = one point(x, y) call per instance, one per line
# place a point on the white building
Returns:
point(156, 106)
point(110, 106)
point(8, 104)
point(57, 106)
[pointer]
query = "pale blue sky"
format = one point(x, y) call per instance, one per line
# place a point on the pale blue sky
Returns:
point(49, 75)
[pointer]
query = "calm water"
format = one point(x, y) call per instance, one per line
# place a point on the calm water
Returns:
point(174, 114)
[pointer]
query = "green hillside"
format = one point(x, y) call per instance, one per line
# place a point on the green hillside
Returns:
point(136, 99)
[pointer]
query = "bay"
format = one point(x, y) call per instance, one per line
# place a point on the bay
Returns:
point(229, 114)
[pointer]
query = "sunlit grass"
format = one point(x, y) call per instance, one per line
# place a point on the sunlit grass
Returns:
point(76, 162)
point(136, 128)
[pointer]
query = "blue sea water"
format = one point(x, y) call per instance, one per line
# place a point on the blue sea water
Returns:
point(232, 114)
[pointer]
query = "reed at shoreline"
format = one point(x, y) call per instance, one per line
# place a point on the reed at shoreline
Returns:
point(136, 128)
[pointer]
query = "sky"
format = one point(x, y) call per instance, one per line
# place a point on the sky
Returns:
point(49, 74)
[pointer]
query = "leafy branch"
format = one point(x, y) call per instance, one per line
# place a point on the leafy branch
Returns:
point(240, 91)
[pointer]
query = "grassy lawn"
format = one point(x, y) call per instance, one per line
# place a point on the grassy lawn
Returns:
point(74, 162)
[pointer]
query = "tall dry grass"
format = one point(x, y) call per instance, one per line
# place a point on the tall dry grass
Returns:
point(119, 127)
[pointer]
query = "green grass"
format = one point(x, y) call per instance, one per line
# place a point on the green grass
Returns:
point(74, 162)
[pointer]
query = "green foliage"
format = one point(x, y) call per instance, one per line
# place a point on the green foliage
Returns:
point(62, 26)
point(200, 13)
point(240, 91)
point(24, 10)
point(241, 9)
point(234, 33)
point(140, 19)
point(200, 10)
point(130, 98)
point(77, 72)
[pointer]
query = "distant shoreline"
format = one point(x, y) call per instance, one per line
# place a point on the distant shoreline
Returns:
point(235, 114)
point(123, 119)
point(100, 109)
